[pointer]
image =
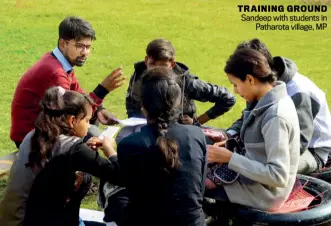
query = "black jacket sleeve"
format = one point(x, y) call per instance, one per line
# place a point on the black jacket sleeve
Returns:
point(199, 90)
point(132, 101)
point(85, 159)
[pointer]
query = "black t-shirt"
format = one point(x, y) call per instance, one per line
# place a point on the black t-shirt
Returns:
point(156, 197)
point(47, 202)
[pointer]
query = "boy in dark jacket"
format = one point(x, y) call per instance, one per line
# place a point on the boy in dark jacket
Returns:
point(160, 52)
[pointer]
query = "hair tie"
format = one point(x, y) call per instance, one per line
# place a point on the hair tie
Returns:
point(61, 90)
point(162, 128)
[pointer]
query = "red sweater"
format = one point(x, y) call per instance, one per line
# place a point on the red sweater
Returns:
point(47, 72)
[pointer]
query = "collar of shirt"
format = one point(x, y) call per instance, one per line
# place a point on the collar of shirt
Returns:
point(65, 63)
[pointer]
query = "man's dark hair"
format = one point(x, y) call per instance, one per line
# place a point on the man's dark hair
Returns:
point(257, 45)
point(75, 28)
point(161, 49)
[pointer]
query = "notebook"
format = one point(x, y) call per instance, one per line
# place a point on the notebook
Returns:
point(133, 121)
point(109, 132)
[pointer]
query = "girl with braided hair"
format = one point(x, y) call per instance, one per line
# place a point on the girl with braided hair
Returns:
point(42, 185)
point(163, 166)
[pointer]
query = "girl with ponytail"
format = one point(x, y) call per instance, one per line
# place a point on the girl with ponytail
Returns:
point(162, 166)
point(42, 186)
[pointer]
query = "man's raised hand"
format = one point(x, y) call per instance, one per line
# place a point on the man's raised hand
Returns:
point(114, 80)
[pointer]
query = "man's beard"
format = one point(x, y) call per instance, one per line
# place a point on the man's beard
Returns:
point(80, 61)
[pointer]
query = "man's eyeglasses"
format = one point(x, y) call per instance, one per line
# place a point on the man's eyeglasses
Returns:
point(81, 47)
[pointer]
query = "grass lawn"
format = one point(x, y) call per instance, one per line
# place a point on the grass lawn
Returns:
point(204, 32)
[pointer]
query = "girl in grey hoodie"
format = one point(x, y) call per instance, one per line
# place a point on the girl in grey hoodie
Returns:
point(270, 133)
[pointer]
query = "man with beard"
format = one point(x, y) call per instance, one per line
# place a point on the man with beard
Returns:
point(56, 68)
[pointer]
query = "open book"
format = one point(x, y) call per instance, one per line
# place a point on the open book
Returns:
point(132, 121)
